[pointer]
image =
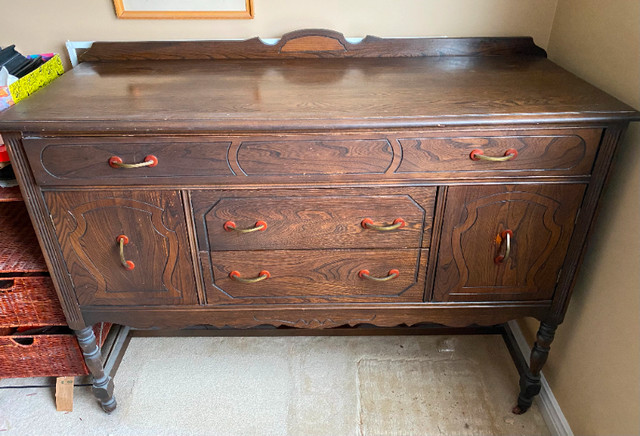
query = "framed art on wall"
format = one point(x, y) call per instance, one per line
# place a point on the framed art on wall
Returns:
point(171, 9)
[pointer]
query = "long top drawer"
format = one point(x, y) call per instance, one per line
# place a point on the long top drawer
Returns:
point(286, 158)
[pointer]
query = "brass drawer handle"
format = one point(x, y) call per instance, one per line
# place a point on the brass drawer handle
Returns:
point(478, 154)
point(506, 236)
point(127, 264)
point(230, 226)
point(149, 161)
point(392, 274)
point(262, 275)
point(398, 223)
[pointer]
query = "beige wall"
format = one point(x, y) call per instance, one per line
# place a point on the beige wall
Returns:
point(594, 365)
point(44, 25)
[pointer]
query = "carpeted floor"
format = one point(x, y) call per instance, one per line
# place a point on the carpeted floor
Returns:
point(334, 386)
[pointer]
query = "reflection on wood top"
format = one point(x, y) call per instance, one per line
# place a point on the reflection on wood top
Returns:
point(312, 93)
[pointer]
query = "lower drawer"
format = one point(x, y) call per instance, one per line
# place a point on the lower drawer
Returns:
point(44, 355)
point(314, 276)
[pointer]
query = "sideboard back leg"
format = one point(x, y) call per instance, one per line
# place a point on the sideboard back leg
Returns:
point(530, 379)
point(102, 383)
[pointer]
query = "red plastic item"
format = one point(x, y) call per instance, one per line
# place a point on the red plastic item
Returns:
point(125, 239)
point(473, 154)
point(4, 156)
point(512, 151)
point(151, 158)
point(114, 161)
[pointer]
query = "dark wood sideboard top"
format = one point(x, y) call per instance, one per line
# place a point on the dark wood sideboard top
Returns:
point(199, 86)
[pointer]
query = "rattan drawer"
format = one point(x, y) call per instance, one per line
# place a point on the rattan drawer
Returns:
point(29, 301)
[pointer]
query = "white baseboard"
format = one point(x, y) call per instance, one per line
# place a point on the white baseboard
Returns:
point(549, 407)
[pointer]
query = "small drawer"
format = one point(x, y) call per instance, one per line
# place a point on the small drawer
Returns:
point(332, 219)
point(309, 276)
point(54, 355)
point(541, 153)
point(20, 249)
point(77, 161)
point(29, 301)
point(45, 355)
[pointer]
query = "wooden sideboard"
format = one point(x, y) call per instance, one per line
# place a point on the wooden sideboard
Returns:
point(314, 183)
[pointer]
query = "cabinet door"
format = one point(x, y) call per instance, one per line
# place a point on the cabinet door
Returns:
point(88, 225)
point(536, 222)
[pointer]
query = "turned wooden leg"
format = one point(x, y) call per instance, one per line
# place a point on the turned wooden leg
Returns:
point(102, 383)
point(530, 380)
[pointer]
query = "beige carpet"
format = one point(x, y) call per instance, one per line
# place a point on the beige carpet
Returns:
point(380, 385)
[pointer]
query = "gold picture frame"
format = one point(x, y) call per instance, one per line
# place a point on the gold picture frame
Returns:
point(179, 9)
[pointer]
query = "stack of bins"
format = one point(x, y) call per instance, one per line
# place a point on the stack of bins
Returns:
point(34, 339)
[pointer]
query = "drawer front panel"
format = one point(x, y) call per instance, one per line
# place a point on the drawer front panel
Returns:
point(296, 221)
point(59, 161)
point(298, 157)
point(291, 158)
point(542, 153)
point(309, 276)
point(475, 237)
point(29, 301)
point(88, 225)
point(54, 355)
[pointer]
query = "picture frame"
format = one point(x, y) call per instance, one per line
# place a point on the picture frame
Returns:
point(184, 9)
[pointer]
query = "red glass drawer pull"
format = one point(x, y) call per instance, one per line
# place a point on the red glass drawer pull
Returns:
point(506, 236)
point(398, 223)
point(149, 161)
point(262, 275)
point(123, 240)
point(478, 154)
point(259, 226)
point(392, 274)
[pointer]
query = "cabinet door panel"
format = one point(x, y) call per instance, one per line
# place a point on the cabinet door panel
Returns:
point(88, 225)
point(541, 220)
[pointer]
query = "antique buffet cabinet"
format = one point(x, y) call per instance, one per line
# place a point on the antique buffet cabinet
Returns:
point(314, 183)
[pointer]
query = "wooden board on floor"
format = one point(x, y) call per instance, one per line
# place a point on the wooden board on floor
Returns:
point(64, 394)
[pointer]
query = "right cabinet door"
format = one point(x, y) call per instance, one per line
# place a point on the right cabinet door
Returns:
point(504, 242)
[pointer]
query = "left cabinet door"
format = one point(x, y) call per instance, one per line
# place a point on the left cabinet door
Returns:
point(151, 266)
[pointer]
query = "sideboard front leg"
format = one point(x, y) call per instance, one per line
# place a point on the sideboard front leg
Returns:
point(530, 379)
point(102, 383)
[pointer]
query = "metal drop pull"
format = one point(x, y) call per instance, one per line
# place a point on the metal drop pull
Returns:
point(505, 237)
point(259, 226)
point(149, 161)
point(262, 275)
point(365, 274)
point(123, 240)
point(478, 154)
point(398, 223)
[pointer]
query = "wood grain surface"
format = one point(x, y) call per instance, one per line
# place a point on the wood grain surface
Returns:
point(314, 276)
point(311, 43)
point(541, 219)
point(330, 219)
point(277, 95)
point(312, 135)
point(87, 226)
point(569, 152)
